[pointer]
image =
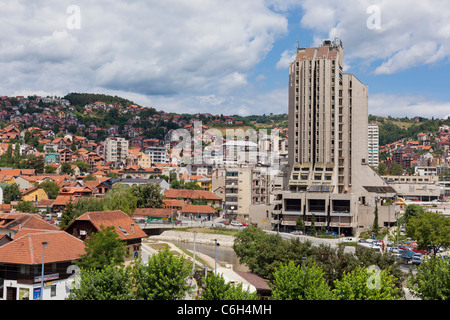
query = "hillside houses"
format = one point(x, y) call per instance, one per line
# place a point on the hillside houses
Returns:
point(428, 155)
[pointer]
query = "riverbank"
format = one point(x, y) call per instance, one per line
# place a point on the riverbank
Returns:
point(188, 236)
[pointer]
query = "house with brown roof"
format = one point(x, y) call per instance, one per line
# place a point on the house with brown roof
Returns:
point(21, 264)
point(152, 214)
point(12, 223)
point(125, 227)
point(61, 202)
point(198, 212)
point(189, 196)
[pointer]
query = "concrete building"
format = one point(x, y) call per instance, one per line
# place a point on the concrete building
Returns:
point(157, 154)
point(245, 187)
point(416, 188)
point(116, 149)
point(330, 179)
point(373, 139)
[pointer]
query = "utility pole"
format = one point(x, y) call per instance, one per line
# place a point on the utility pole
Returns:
point(193, 262)
point(44, 243)
point(215, 256)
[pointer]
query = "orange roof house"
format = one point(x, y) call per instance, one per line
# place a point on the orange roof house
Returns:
point(188, 195)
point(24, 255)
point(34, 194)
point(125, 227)
point(193, 211)
point(11, 223)
point(26, 248)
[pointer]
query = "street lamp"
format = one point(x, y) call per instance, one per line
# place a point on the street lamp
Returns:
point(193, 262)
point(215, 256)
point(44, 243)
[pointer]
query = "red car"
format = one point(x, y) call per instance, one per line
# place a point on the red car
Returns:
point(419, 251)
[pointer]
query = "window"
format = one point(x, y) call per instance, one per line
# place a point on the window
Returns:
point(53, 290)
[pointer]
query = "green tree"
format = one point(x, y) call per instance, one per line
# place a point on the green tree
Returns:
point(33, 162)
point(262, 252)
point(51, 188)
point(49, 169)
point(300, 282)
point(300, 225)
point(312, 228)
point(431, 231)
point(411, 211)
point(113, 175)
point(395, 169)
point(120, 197)
point(66, 168)
point(366, 284)
point(333, 261)
point(26, 206)
point(385, 261)
point(89, 177)
point(375, 227)
point(432, 279)
point(382, 169)
point(82, 205)
point(102, 249)
point(216, 288)
point(11, 192)
point(148, 195)
point(67, 216)
point(164, 277)
point(83, 166)
point(109, 283)
point(259, 251)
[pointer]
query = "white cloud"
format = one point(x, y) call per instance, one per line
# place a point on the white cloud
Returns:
point(411, 33)
point(146, 47)
point(407, 106)
point(286, 57)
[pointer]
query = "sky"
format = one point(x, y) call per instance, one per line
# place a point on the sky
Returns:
point(224, 56)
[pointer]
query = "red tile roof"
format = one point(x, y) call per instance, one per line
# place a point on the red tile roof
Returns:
point(15, 221)
point(191, 194)
point(153, 212)
point(27, 249)
point(116, 218)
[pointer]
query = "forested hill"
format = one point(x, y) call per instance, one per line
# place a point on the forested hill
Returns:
point(394, 129)
point(390, 129)
point(81, 99)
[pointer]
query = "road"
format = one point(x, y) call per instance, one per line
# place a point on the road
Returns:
point(314, 241)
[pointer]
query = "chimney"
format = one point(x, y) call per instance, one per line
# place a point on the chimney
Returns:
point(132, 227)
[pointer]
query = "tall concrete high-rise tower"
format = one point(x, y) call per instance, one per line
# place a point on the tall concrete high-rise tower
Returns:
point(328, 112)
point(330, 181)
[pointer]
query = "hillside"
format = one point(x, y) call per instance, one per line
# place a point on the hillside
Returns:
point(394, 129)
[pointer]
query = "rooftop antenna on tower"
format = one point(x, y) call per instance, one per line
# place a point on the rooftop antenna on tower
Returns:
point(298, 45)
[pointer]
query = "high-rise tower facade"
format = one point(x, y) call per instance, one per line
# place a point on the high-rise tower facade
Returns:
point(327, 112)
point(330, 182)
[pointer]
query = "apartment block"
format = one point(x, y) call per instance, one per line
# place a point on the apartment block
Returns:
point(373, 145)
point(244, 187)
point(157, 154)
point(116, 149)
point(330, 180)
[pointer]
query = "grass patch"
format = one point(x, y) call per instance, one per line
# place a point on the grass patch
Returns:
point(158, 246)
point(348, 244)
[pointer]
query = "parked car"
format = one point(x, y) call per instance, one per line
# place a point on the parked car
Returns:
point(226, 223)
point(419, 251)
point(296, 232)
point(236, 224)
point(417, 258)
